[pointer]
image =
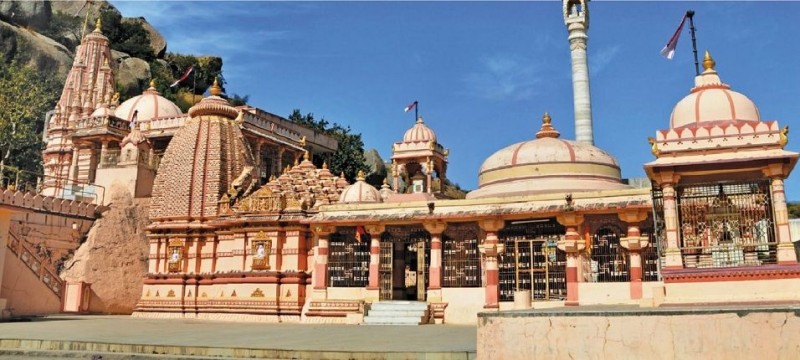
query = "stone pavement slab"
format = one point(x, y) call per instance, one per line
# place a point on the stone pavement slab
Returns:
point(176, 337)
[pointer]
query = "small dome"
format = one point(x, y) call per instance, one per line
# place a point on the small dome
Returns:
point(101, 110)
point(360, 192)
point(150, 105)
point(547, 165)
point(419, 133)
point(711, 102)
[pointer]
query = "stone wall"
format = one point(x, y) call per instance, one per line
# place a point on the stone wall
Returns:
point(631, 333)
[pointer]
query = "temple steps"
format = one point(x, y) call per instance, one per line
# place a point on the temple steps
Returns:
point(397, 313)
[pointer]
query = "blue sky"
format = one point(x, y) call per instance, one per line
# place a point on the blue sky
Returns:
point(485, 72)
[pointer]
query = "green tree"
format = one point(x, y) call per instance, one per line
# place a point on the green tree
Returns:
point(349, 156)
point(129, 37)
point(794, 210)
point(26, 97)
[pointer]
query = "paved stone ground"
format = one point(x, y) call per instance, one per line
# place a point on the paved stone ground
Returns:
point(132, 338)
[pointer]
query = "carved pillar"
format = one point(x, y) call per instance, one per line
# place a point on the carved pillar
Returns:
point(429, 175)
point(73, 171)
point(259, 158)
point(634, 243)
point(786, 254)
point(103, 152)
point(490, 249)
point(573, 245)
point(321, 232)
point(435, 228)
point(673, 260)
point(374, 232)
point(395, 177)
point(280, 160)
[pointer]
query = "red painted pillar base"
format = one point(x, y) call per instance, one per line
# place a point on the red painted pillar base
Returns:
point(636, 275)
point(492, 284)
point(572, 284)
point(435, 270)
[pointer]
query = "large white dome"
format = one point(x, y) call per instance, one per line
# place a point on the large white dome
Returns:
point(150, 105)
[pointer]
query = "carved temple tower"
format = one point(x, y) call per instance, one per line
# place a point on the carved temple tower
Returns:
point(576, 18)
point(89, 83)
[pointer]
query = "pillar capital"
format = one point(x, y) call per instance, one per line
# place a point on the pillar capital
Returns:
point(435, 227)
point(491, 225)
point(571, 245)
point(375, 228)
point(323, 229)
point(666, 178)
point(491, 249)
point(633, 216)
point(570, 219)
point(634, 243)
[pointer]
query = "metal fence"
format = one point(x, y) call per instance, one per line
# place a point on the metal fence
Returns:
point(348, 259)
point(608, 260)
point(14, 179)
point(726, 224)
point(531, 260)
point(461, 260)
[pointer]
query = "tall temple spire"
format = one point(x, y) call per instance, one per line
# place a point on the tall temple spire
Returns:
point(576, 18)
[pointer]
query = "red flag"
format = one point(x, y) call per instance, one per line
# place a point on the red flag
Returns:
point(360, 232)
point(183, 77)
point(410, 107)
point(669, 50)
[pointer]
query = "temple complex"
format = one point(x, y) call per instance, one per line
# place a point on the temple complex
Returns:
point(243, 226)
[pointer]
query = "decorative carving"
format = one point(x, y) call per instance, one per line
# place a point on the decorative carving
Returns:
point(784, 136)
point(261, 250)
point(171, 293)
point(653, 146)
point(257, 293)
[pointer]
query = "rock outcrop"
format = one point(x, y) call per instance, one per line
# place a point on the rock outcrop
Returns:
point(114, 257)
point(132, 74)
point(31, 13)
point(157, 42)
point(40, 51)
point(377, 169)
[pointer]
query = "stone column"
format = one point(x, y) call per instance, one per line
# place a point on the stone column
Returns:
point(395, 176)
point(573, 244)
point(786, 254)
point(73, 171)
point(373, 289)
point(490, 249)
point(321, 232)
point(259, 161)
point(435, 228)
point(103, 153)
point(578, 26)
point(634, 243)
point(673, 259)
point(280, 160)
point(428, 176)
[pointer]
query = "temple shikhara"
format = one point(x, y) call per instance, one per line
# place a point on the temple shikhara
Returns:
point(243, 226)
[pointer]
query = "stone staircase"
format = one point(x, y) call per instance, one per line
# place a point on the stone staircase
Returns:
point(397, 313)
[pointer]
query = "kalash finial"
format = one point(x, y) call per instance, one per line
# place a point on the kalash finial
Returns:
point(708, 62)
point(419, 120)
point(360, 176)
point(215, 89)
point(152, 84)
point(547, 129)
point(306, 156)
point(324, 164)
point(98, 25)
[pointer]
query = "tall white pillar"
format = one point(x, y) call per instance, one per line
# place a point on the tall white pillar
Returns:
point(576, 17)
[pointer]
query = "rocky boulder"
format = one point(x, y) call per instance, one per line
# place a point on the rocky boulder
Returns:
point(157, 42)
point(31, 13)
point(37, 50)
point(114, 257)
point(377, 169)
point(132, 75)
point(77, 8)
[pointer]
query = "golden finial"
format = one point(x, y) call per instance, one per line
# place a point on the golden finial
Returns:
point(708, 61)
point(341, 175)
point(98, 25)
point(324, 164)
point(419, 120)
point(306, 156)
point(303, 141)
point(386, 181)
point(152, 84)
point(547, 129)
point(296, 161)
point(360, 175)
point(215, 89)
point(784, 136)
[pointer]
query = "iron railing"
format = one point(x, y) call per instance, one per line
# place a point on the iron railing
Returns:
point(461, 260)
point(531, 260)
point(14, 179)
point(348, 259)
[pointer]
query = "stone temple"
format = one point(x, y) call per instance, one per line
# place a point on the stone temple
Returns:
point(243, 226)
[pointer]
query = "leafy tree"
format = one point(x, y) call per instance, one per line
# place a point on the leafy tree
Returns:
point(349, 157)
point(794, 210)
point(26, 97)
point(129, 37)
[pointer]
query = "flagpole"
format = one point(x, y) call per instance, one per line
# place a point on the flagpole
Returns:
point(690, 15)
point(416, 110)
point(194, 83)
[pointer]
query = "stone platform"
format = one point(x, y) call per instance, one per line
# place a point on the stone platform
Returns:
point(123, 337)
point(631, 332)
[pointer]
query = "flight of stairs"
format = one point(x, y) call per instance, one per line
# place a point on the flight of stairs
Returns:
point(397, 313)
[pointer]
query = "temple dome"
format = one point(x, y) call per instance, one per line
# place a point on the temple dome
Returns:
point(712, 102)
point(150, 105)
point(360, 192)
point(419, 133)
point(547, 165)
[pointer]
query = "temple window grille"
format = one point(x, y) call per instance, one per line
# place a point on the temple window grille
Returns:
point(608, 261)
point(726, 224)
point(407, 235)
point(531, 260)
point(461, 261)
point(348, 259)
point(650, 259)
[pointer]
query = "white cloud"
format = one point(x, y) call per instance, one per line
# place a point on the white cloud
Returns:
point(504, 77)
point(602, 58)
